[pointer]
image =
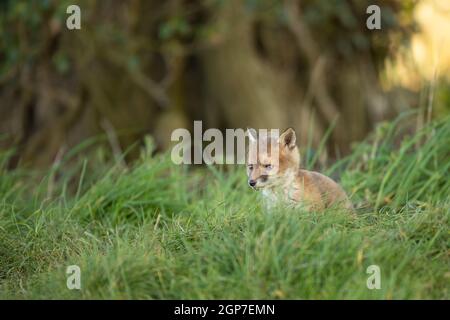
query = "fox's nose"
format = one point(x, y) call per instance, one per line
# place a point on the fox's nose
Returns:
point(252, 183)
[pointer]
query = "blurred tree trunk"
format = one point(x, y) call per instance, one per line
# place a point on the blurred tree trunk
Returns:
point(244, 88)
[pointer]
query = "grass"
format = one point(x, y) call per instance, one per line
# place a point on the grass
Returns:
point(161, 231)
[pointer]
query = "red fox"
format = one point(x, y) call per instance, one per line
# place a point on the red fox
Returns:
point(277, 172)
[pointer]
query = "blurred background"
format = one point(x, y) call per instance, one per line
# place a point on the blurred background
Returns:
point(146, 67)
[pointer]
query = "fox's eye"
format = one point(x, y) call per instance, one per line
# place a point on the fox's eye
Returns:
point(268, 166)
point(250, 167)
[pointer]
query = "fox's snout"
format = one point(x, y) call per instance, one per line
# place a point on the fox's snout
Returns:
point(260, 180)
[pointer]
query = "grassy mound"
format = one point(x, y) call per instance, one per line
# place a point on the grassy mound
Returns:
point(158, 230)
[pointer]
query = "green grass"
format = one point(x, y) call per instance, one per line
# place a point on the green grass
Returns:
point(161, 231)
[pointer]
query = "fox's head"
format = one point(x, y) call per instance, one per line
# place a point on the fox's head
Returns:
point(271, 158)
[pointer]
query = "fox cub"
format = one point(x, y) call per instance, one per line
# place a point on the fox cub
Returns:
point(276, 171)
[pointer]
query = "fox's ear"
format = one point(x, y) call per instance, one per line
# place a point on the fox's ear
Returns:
point(288, 138)
point(252, 134)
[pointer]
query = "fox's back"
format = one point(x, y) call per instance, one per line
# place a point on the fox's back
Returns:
point(318, 190)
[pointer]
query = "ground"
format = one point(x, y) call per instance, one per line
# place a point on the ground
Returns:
point(156, 230)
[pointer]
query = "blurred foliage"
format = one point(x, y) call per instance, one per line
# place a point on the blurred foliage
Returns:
point(442, 99)
point(22, 25)
point(340, 23)
point(21, 30)
point(150, 66)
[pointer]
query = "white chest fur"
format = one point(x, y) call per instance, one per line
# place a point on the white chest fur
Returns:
point(281, 194)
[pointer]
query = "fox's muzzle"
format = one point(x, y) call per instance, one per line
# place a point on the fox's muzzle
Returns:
point(261, 179)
